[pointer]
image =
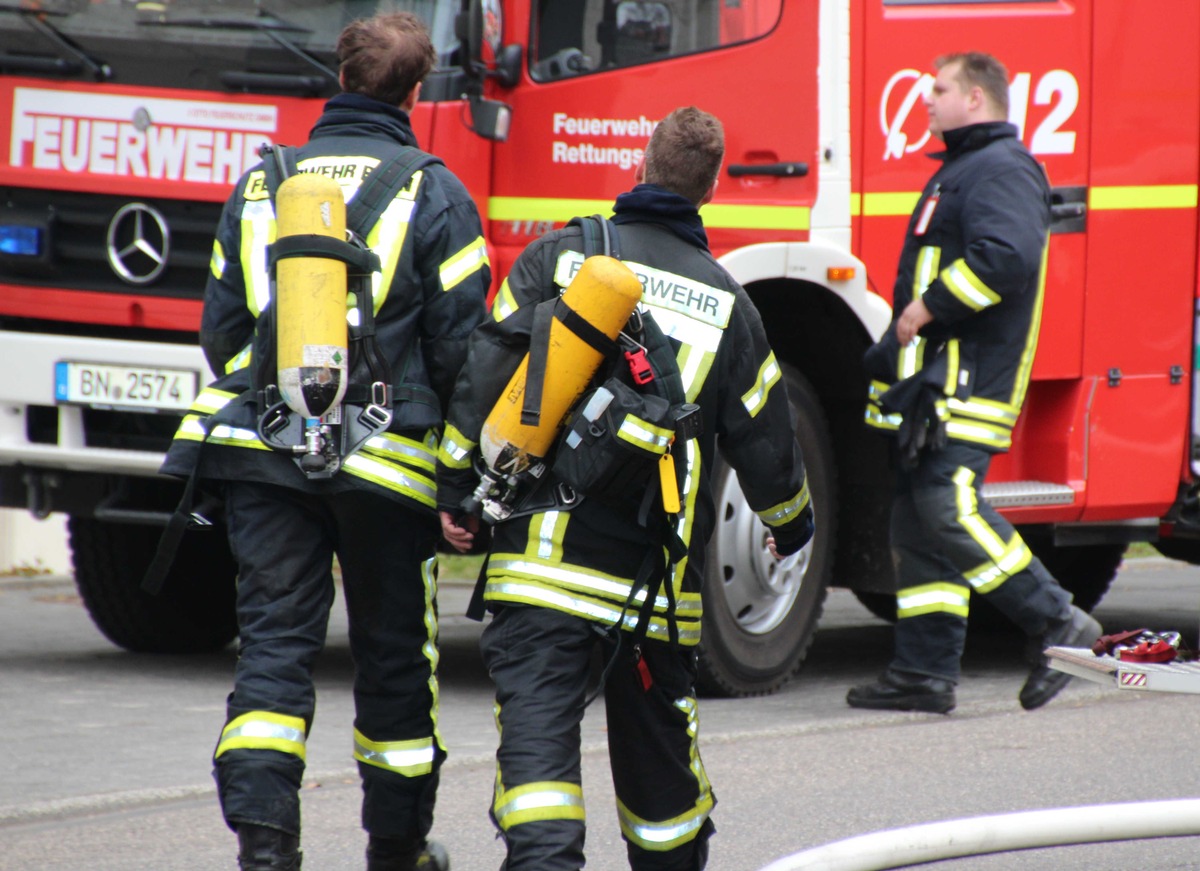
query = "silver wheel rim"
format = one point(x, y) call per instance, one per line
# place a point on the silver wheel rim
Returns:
point(759, 590)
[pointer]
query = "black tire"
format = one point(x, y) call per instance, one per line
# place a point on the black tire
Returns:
point(194, 612)
point(1086, 571)
point(1183, 549)
point(760, 614)
point(882, 605)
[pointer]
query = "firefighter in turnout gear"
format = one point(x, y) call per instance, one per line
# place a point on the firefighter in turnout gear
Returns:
point(617, 561)
point(377, 513)
point(948, 379)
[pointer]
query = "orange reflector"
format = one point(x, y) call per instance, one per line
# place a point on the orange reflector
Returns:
point(840, 273)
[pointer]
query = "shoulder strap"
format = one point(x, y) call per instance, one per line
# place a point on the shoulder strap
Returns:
point(279, 163)
point(380, 187)
point(599, 235)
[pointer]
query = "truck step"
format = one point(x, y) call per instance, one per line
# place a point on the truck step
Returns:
point(1010, 494)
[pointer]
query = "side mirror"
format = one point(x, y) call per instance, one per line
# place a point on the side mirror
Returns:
point(489, 118)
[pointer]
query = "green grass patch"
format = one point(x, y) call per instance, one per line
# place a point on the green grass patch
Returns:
point(456, 567)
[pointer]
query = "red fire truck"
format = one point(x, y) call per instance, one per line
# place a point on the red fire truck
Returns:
point(127, 123)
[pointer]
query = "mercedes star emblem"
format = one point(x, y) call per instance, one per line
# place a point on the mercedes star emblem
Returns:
point(138, 243)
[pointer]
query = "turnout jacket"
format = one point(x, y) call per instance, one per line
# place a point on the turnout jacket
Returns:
point(975, 253)
point(429, 296)
point(585, 561)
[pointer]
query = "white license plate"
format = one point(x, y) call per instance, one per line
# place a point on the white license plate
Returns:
point(134, 387)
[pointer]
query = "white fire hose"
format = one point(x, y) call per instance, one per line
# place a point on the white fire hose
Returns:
point(978, 836)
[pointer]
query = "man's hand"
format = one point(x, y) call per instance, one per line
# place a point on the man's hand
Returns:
point(914, 316)
point(459, 537)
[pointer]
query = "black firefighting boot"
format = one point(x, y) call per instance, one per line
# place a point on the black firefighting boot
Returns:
point(393, 854)
point(265, 849)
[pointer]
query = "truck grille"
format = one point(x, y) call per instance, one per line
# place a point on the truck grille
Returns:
point(78, 231)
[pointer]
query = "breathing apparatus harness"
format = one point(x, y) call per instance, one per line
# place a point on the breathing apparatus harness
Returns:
point(599, 455)
point(320, 445)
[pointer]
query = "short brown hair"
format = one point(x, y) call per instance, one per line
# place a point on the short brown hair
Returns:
point(385, 57)
point(685, 152)
point(977, 69)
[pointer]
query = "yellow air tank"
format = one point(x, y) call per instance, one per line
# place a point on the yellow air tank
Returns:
point(310, 298)
point(604, 293)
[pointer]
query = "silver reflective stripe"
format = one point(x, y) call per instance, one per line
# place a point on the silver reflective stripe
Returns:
point(639, 433)
point(768, 375)
point(409, 758)
point(534, 802)
point(609, 587)
point(264, 730)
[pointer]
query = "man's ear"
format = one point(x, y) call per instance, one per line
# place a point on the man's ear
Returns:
point(639, 172)
point(708, 194)
point(410, 101)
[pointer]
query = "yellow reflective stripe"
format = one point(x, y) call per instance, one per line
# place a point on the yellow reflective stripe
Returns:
point(455, 449)
point(430, 650)
point(694, 366)
point(756, 217)
point(393, 477)
point(668, 834)
point(644, 435)
point(542, 209)
point(257, 232)
point(241, 360)
point(211, 400)
point(952, 364)
point(662, 835)
point(390, 446)
point(777, 515)
point(991, 574)
point(1150, 196)
point(505, 303)
point(217, 262)
point(1100, 197)
point(189, 428)
point(876, 389)
point(466, 262)
point(984, 409)
point(224, 434)
point(967, 287)
point(876, 418)
point(533, 802)
point(968, 516)
point(925, 270)
point(980, 433)
point(547, 569)
point(768, 376)
point(725, 216)
point(548, 596)
point(547, 529)
point(1025, 367)
point(885, 203)
point(409, 758)
point(264, 730)
point(936, 598)
point(387, 237)
point(689, 491)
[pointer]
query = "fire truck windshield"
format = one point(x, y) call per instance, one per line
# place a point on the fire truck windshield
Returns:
point(282, 46)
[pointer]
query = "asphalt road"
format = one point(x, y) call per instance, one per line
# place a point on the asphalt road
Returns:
point(105, 756)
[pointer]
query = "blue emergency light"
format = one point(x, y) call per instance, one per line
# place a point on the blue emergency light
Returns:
point(20, 240)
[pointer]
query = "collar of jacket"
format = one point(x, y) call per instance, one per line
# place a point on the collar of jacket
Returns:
point(358, 115)
point(657, 205)
point(974, 137)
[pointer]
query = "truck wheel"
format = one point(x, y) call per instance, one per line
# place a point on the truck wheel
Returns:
point(1183, 549)
point(194, 612)
point(760, 614)
point(1086, 571)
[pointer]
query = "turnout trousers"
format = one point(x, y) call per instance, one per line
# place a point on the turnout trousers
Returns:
point(947, 543)
point(540, 660)
point(284, 542)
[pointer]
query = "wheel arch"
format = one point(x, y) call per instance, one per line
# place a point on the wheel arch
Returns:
point(822, 328)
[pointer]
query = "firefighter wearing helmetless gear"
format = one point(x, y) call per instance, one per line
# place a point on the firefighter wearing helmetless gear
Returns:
point(559, 580)
point(974, 254)
point(376, 514)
